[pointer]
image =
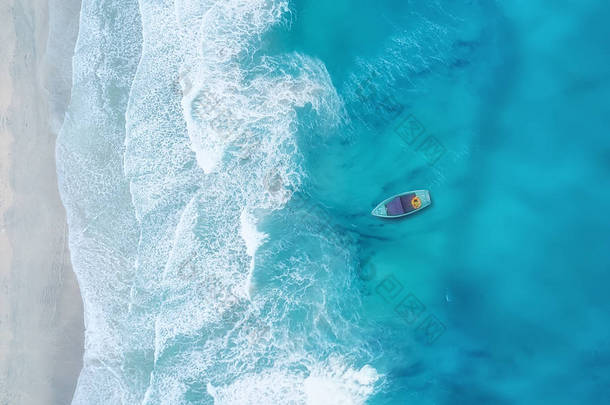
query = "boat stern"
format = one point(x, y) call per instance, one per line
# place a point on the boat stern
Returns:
point(424, 196)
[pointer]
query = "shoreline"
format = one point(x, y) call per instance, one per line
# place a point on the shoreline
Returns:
point(41, 310)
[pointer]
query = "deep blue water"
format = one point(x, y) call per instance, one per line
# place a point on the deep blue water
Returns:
point(220, 160)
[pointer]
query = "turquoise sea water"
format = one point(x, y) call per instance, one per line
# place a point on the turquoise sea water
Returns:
point(219, 161)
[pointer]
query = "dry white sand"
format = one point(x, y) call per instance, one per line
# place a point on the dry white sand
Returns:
point(41, 314)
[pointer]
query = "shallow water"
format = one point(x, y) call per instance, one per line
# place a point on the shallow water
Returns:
point(219, 162)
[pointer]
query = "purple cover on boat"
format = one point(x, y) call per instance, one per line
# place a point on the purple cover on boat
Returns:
point(394, 207)
point(406, 202)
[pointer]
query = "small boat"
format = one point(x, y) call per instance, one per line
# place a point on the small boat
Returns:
point(402, 204)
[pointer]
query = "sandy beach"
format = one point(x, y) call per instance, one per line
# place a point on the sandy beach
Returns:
point(41, 313)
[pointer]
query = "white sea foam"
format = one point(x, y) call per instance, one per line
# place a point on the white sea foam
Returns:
point(340, 385)
point(322, 384)
point(253, 239)
point(250, 234)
